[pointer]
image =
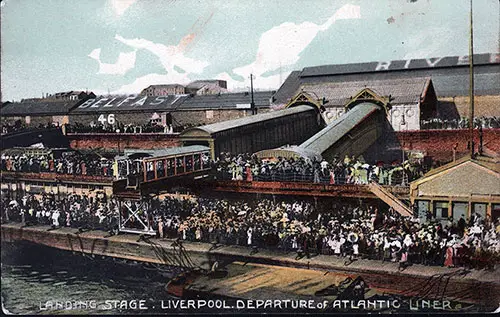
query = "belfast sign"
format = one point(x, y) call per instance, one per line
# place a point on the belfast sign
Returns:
point(129, 103)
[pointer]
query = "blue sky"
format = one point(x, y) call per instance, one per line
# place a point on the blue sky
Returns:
point(122, 46)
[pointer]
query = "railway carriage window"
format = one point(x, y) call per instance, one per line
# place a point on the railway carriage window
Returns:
point(137, 167)
point(122, 168)
point(189, 163)
point(197, 162)
point(180, 165)
point(160, 169)
point(150, 174)
point(170, 166)
point(205, 158)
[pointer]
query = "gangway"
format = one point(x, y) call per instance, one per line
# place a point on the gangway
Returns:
point(134, 217)
point(390, 199)
point(51, 137)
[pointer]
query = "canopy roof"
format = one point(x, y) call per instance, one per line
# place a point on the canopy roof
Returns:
point(288, 152)
point(324, 139)
point(214, 128)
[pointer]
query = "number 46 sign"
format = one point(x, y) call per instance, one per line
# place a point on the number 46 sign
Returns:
point(109, 120)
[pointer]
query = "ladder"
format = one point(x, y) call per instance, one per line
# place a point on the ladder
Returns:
point(390, 199)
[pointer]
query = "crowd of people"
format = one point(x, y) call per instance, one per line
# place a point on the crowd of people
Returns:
point(76, 211)
point(339, 171)
point(462, 123)
point(227, 167)
point(17, 126)
point(346, 229)
point(119, 128)
point(342, 230)
point(72, 163)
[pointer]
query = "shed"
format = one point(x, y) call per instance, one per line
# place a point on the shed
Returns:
point(254, 133)
point(468, 185)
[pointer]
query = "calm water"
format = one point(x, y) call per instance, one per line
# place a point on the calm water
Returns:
point(35, 280)
point(46, 281)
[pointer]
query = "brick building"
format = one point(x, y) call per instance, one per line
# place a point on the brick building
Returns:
point(163, 90)
point(178, 111)
point(207, 87)
point(54, 109)
point(411, 100)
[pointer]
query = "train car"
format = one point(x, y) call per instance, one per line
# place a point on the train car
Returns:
point(150, 166)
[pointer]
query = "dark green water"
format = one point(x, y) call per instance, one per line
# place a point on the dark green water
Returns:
point(46, 281)
point(40, 280)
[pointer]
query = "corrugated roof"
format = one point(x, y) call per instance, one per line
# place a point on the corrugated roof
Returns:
point(287, 89)
point(402, 91)
point(226, 101)
point(450, 75)
point(321, 141)
point(489, 163)
point(175, 102)
point(411, 64)
point(130, 103)
point(484, 106)
point(231, 124)
point(41, 107)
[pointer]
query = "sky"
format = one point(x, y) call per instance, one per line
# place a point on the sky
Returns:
point(123, 46)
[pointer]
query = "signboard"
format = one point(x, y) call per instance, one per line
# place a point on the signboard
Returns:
point(116, 103)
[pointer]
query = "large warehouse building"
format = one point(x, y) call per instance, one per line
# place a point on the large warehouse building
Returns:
point(449, 76)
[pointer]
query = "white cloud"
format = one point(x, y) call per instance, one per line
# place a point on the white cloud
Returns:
point(169, 56)
point(124, 63)
point(152, 79)
point(278, 47)
point(120, 6)
point(282, 45)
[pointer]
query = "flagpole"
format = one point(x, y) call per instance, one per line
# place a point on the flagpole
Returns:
point(471, 84)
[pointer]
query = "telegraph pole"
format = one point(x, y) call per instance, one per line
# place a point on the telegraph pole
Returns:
point(252, 104)
point(471, 84)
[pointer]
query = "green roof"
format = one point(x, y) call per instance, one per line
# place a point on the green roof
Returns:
point(236, 123)
point(324, 139)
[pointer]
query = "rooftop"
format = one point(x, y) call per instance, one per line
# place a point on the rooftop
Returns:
point(450, 75)
point(324, 139)
point(227, 101)
point(402, 91)
point(231, 124)
point(39, 107)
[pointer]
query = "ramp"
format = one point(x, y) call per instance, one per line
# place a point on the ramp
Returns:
point(49, 137)
point(390, 199)
point(350, 134)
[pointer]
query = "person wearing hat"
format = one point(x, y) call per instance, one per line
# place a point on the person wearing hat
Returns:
point(249, 236)
point(336, 245)
point(55, 218)
point(353, 239)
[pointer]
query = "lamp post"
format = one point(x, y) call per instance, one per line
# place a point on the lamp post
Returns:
point(119, 137)
point(403, 123)
point(471, 83)
point(252, 104)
